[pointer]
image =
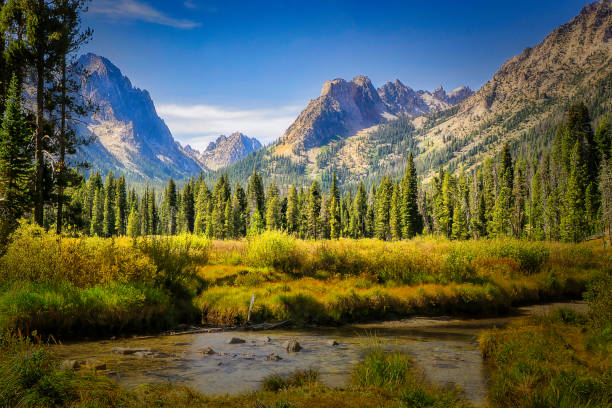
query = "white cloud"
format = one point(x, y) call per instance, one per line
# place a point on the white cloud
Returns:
point(136, 10)
point(198, 125)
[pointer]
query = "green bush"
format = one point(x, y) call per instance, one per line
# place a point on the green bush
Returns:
point(273, 249)
point(176, 260)
point(35, 255)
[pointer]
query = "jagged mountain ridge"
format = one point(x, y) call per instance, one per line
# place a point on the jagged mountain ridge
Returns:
point(346, 107)
point(126, 127)
point(128, 137)
point(224, 151)
point(522, 104)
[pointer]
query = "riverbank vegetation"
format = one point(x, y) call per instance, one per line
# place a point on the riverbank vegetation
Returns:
point(74, 286)
point(559, 360)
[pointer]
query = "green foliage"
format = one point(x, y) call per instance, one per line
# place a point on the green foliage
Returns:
point(273, 250)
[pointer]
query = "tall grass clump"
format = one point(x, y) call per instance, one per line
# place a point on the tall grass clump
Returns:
point(176, 260)
point(275, 250)
point(38, 256)
point(395, 373)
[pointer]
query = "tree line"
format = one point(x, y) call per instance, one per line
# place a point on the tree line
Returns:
point(566, 195)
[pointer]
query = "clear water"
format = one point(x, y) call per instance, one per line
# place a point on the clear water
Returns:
point(445, 349)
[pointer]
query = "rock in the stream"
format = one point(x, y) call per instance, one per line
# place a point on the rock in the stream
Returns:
point(89, 364)
point(128, 350)
point(95, 364)
point(273, 357)
point(207, 351)
point(267, 339)
point(332, 343)
point(292, 346)
point(71, 364)
point(143, 354)
point(236, 340)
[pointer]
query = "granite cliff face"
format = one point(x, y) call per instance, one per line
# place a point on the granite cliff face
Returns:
point(224, 151)
point(344, 108)
point(128, 135)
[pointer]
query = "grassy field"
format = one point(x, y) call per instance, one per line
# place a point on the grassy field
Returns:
point(64, 286)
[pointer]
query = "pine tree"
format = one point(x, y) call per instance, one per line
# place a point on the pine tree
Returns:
point(170, 207)
point(109, 206)
point(255, 200)
point(97, 217)
point(239, 209)
point(383, 207)
point(188, 208)
point(459, 228)
point(202, 209)
point(314, 210)
point(371, 214)
point(133, 224)
point(573, 215)
point(520, 196)
point(359, 213)
point(603, 139)
point(444, 205)
point(411, 219)
point(536, 209)
point(395, 213)
point(293, 215)
point(15, 160)
point(228, 228)
point(121, 207)
point(273, 213)
point(153, 214)
point(334, 219)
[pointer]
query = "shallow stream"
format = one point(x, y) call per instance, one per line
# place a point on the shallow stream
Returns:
point(445, 349)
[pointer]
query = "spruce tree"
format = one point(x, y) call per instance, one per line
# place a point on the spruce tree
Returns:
point(202, 209)
point(359, 213)
point(109, 206)
point(255, 200)
point(121, 207)
point(97, 217)
point(16, 169)
point(572, 225)
point(371, 214)
point(313, 210)
point(536, 209)
point(239, 210)
point(459, 228)
point(188, 208)
point(273, 213)
point(228, 228)
point(293, 215)
point(411, 219)
point(334, 218)
point(395, 213)
point(383, 208)
point(133, 224)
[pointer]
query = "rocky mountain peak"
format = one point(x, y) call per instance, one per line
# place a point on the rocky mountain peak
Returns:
point(225, 150)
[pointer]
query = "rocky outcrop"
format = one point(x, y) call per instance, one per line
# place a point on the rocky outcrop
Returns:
point(224, 151)
point(128, 135)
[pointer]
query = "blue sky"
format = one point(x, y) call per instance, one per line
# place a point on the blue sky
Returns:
point(216, 67)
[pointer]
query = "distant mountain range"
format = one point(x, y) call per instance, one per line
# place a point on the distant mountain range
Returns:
point(362, 132)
